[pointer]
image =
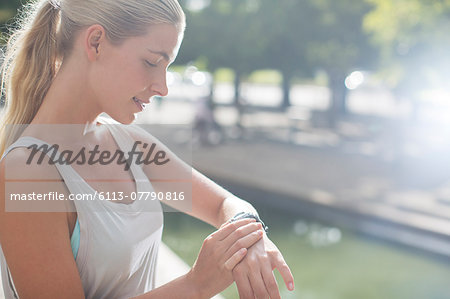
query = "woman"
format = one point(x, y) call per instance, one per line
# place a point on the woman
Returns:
point(70, 61)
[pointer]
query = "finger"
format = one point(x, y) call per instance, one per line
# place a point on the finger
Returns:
point(243, 284)
point(227, 229)
point(285, 272)
point(229, 221)
point(244, 242)
point(235, 259)
point(225, 223)
point(270, 282)
point(257, 284)
point(241, 232)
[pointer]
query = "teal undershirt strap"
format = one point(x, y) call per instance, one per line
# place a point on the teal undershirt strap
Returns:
point(75, 239)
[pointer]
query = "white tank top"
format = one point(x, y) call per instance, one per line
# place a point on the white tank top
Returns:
point(119, 243)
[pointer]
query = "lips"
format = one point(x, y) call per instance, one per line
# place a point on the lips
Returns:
point(140, 103)
point(137, 99)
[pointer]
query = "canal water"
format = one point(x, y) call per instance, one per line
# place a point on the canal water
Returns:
point(328, 262)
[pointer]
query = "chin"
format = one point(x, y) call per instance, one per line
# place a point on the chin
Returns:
point(124, 119)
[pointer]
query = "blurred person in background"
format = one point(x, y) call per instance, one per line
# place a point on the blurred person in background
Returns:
point(206, 129)
point(69, 62)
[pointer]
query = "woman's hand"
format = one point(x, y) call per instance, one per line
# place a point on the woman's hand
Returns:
point(220, 253)
point(254, 275)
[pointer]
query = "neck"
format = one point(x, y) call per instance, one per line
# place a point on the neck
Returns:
point(69, 99)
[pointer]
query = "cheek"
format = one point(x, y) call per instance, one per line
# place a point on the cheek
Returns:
point(131, 75)
point(122, 79)
point(140, 75)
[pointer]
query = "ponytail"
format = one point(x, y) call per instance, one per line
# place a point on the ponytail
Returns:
point(28, 68)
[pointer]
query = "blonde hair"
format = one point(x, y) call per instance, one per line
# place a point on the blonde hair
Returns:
point(46, 32)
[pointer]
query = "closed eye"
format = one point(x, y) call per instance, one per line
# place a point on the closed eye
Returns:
point(150, 64)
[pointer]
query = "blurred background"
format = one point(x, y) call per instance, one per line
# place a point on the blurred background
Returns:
point(332, 119)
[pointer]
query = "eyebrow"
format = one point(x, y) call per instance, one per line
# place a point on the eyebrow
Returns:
point(163, 54)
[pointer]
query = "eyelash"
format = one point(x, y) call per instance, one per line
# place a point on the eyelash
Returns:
point(150, 64)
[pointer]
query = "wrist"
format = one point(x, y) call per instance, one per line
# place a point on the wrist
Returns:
point(243, 215)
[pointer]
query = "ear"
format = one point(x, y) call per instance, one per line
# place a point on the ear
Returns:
point(94, 39)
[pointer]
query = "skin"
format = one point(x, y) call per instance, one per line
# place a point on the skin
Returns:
point(101, 77)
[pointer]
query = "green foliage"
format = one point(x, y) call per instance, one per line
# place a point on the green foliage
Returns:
point(288, 27)
point(270, 77)
point(224, 75)
point(340, 44)
point(246, 35)
point(8, 9)
point(413, 36)
point(294, 37)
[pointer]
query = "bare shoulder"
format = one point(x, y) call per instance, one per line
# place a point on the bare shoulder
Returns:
point(138, 133)
point(36, 245)
point(25, 162)
point(148, 142)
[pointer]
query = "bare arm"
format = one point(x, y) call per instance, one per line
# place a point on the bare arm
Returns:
point(178, 288)
point(210, 202)
point(36, 245)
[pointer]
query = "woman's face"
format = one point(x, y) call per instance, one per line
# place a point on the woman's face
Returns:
point(136, 69)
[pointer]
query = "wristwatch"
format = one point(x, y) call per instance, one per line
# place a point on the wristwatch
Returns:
point(243, 215)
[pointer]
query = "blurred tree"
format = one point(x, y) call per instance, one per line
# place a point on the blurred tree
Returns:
point(339, 46)
point(246, 35)
point(227, 34)
point(414, 41)
point(292, 36)
point(288, 26)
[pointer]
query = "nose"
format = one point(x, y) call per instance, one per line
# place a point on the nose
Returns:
point(159, 86)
